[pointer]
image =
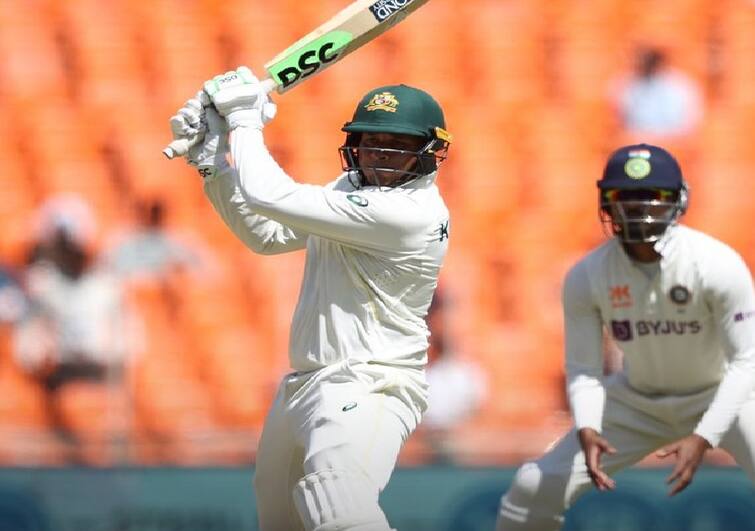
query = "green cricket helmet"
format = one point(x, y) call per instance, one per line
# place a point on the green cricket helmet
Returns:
point(399, 110)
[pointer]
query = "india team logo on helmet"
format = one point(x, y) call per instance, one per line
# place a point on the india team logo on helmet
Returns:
point(638, 165)
point(385, 101)
point(637, 168)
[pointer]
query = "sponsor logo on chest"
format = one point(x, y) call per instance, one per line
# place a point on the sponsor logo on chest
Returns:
point(628, 329)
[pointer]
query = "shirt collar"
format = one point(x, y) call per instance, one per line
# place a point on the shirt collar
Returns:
point(664, 246)
point(420, 182)
point(667, 243)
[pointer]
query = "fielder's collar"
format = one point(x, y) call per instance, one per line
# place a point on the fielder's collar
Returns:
point(666, 243)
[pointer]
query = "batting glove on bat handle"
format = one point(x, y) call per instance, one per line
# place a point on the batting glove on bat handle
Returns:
point(181, 146)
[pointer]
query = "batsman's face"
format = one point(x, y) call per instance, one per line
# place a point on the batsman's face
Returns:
point(386, 157)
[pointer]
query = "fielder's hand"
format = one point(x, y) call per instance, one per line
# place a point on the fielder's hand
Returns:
point(240, 97)
point(593, 445)
point(689, 453)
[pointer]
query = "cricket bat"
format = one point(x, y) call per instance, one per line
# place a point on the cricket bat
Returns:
point(348, 30)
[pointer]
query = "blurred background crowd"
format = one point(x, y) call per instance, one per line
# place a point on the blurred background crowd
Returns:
point(134, 329)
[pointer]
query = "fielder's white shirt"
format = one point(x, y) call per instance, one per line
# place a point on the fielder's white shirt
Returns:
point(373, 255)
point(685, 329)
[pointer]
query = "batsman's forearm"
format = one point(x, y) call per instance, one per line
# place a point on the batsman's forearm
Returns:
point(261, 235)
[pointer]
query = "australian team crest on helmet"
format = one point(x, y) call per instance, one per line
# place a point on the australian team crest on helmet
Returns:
point(384, 101)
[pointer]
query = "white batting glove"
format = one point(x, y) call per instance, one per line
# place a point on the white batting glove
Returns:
point(239, 97)
point(210, 155)
point(189, 122)
point(198, 122)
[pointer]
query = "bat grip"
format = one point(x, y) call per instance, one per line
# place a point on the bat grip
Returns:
point(180, 146)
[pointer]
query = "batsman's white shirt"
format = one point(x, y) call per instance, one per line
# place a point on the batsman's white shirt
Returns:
point(373, 255)
point(688, 328)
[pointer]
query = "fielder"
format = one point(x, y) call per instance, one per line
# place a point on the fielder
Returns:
point(681, 306)
point(375, 240)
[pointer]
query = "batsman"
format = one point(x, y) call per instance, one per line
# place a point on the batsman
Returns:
point(375, 239)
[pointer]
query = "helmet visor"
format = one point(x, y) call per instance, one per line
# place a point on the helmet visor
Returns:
point(390, 164)
point(639, 216)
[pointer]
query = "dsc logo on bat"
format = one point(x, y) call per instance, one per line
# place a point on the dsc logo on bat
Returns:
point(305, 61)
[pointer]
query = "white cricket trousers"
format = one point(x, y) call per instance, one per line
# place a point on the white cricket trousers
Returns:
point(330, 443)
point(636, 425)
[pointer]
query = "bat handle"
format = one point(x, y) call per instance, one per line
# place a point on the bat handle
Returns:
point(181, 146)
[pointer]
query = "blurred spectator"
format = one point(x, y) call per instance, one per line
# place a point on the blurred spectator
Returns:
point(13, 303)
point(656, 100)
point(13, 306)
point(457, 388)
point(77, 328)
point(150, 250)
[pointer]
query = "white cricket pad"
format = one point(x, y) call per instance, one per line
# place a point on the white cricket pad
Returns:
point(339, 500)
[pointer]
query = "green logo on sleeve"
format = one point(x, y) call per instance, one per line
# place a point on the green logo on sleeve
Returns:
point(358, 200)
point(303, 61)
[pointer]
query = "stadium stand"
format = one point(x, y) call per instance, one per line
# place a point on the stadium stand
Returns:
point(85, 96)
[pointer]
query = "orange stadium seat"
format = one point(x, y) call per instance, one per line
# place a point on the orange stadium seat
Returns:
point(512, 69)
point(240, 378)
point(737, 44)
point(182, 45)
point(252, 36)
point(107, 55)
point(31, 69)
point(21, 399)
point(65, 159)
point(17, 204)
point(170, 400)
point(100, 417)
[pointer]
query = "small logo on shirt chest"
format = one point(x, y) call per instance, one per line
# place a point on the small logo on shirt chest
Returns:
point(679, 294)
point(358, 200)
point(620, 296)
